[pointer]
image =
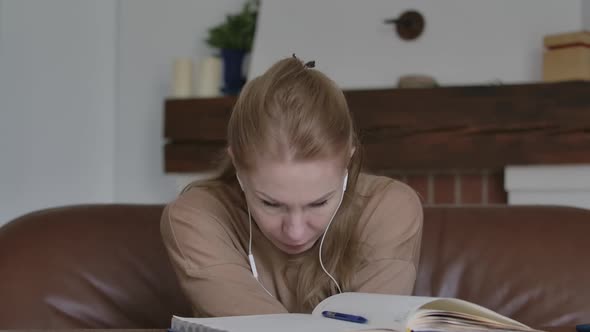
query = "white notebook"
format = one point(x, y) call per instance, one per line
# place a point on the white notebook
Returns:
point(382, 312)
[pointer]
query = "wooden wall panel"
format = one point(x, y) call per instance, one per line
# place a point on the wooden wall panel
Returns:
point(440, 128)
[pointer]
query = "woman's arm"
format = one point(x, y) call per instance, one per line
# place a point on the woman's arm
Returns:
point(392, 239)
point(212, 271)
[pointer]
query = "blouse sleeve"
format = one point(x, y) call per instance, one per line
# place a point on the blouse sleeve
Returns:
point(212, 269)
point(391, 241)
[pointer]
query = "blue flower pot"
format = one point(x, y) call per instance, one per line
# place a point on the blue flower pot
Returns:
point(233, 79)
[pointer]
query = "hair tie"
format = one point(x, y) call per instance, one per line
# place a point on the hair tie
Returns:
point(309, 64)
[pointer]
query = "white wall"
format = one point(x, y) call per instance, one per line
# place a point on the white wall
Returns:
point(586, 14)
point(152, 33)
point(465, 41)
point(82, 82)
point(82, 85)
point(56, 103)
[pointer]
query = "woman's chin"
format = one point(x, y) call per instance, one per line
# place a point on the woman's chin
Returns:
point(294, 250)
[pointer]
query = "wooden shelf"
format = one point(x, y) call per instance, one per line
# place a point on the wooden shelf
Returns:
point(463, 127)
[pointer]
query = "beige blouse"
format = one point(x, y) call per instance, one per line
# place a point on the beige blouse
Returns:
point(206, 235)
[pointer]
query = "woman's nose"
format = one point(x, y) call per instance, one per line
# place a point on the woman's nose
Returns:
point(294, 226)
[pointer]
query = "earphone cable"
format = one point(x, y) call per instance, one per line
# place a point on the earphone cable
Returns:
point(251, 256)
point(322, 243)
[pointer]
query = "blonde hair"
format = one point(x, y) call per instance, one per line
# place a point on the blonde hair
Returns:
point(294, 112)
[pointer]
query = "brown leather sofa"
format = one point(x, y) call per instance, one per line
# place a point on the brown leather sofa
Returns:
point(104, 266)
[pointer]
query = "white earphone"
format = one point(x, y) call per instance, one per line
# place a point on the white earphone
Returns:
point(345, 182)
point(240, 182)
point(251, 256)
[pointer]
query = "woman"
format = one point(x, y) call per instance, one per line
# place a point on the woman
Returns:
point(290, 220)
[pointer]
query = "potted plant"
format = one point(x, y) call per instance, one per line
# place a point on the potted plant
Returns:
point(234, 37)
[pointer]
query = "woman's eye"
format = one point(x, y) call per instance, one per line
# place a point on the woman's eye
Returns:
point(271, 204)
point(318, 204)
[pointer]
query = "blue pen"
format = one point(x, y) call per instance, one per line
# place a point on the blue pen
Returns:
point(345, 317)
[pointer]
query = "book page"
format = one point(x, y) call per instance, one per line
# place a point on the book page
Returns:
point(266, 323)
point(383, 311)
point(460, 306)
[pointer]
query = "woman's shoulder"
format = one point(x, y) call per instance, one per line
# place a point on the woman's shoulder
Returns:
point(389, 203)
point(197, 224)
point(214, 202)
point(376, 187)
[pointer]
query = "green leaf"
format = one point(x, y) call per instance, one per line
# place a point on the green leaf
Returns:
point(237, 32)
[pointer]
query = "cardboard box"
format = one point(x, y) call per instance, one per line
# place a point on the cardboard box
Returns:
point(567, 57)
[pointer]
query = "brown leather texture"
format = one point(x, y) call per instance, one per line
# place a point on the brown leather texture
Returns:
point(104, 266)
point(531, 263)
point(101, 266)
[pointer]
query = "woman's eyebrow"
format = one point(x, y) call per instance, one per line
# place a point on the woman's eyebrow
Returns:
point(322, 198)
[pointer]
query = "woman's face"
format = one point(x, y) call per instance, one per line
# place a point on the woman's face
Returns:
point(292, 202)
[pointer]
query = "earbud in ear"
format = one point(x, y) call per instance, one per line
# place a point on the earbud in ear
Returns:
point(345, 181)
point(240, 182)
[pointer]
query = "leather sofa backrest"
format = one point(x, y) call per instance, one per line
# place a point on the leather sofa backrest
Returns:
point(531, 263)
point(87, 267)
point(104, 266)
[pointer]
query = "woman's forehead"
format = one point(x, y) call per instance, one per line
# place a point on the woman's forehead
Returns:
point(297, 181)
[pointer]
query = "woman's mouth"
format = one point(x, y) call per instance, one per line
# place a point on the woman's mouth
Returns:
point(294, 247)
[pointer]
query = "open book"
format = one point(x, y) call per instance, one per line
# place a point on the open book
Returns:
point(382, 313)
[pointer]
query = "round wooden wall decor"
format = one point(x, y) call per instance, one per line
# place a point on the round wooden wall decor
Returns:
point(409, 25)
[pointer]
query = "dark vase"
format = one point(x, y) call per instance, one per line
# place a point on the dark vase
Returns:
point(233, 78)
